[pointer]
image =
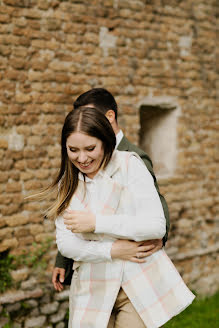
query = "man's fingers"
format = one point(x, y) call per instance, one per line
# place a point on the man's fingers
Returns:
point(55, 275)
point(59, 286)
point(58, 276)
point(61, 275)
point(146, 248)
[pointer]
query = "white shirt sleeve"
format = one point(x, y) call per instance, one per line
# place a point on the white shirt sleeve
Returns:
point(148, 221)
point(71, 246)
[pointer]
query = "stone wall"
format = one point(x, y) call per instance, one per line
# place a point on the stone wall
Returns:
point(50, 52)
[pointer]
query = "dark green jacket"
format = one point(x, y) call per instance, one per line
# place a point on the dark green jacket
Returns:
point(125, 145)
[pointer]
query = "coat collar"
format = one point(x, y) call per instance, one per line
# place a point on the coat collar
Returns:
point(124, 144)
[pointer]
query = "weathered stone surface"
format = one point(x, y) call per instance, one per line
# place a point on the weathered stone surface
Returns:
point(62, 296)
point(35, 322)
point(35, 312)
point(29, 284)
point(60, 325)
point(13, 307)
point(31, 303)
point(20, 275)
point(16, 220)
point(12, 297)
point(64, 305)
point(49, 308)
point(58, 316)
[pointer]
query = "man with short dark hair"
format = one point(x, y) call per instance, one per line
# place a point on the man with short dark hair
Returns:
point(103, 100)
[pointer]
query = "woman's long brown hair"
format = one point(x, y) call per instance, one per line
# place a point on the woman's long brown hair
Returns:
point(89, 121)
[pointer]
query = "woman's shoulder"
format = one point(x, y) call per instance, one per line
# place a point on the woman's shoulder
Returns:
point(125, 158)
point(125, 155)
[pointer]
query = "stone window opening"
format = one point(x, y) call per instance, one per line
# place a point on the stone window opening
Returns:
point(158, 134)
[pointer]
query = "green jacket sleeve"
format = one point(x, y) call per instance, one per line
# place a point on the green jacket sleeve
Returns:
point(61, 261)
point(65, 263)
point(149, 166)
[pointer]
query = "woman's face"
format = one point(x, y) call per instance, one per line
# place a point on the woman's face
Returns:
point(85, 152)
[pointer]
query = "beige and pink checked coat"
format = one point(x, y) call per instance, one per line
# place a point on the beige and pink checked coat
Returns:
point(155, 288)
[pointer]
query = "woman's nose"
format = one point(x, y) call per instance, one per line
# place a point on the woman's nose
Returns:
point(82, 157)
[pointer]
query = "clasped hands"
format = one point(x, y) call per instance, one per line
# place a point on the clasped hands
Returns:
point(79, 221)
point(84, 221)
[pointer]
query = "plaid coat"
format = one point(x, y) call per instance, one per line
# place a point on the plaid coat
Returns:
point(155, 288)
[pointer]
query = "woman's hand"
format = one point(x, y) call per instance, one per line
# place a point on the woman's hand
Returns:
point(79, 221)
point(134, 251)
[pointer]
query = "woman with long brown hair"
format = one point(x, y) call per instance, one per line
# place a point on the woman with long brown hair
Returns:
point(106, 208)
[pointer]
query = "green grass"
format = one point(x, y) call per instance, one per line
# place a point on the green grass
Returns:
point(202, 313)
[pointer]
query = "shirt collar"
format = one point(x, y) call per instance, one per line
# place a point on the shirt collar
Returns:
point(119, 137)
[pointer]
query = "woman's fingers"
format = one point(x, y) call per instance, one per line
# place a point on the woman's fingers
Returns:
point(140, 255)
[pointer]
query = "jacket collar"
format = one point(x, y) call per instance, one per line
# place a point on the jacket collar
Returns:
point(124, 144)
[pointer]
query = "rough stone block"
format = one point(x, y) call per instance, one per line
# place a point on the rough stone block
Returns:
point(36, 322)
point(16, 220)
point(6, 232)
point(13, 307)
point(60, 325)
point(58, 316)
point(49, 308)
point(9, 243)
point(3, 144)
point(22, 98)
point(29, 284)
point(16, 296)
point(62, 296)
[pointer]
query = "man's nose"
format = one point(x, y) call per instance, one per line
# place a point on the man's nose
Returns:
point(82, 157)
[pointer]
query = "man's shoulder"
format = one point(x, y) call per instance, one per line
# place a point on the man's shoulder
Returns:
point(126, 145)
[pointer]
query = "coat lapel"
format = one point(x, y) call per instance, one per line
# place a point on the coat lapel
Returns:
point(124, 144)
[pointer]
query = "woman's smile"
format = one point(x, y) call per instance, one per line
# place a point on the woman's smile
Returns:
point(85, 152)
point(85, 165)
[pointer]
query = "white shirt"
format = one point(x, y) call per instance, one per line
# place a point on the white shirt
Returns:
point(119, 137)
point(148, 222)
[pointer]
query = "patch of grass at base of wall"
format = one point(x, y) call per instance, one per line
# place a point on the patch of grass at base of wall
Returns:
point(5, 268)
point(202, 313)
point(33, 258)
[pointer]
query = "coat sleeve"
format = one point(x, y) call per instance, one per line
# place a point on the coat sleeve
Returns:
point(61, 261)
point(148, 221)
point(73, 247)
point(148, 164)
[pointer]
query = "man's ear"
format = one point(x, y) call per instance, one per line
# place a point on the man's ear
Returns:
point(110, 115)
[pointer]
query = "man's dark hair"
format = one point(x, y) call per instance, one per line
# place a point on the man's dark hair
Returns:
point(98, 97)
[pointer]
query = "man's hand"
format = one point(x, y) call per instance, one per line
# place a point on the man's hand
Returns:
point(135, 251)
point(79, 221)
point(154, 245)
point(58, 277)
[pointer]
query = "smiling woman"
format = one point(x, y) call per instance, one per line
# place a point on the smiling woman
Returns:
point(87, 144)
point(85, 152)
point(106, 210)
